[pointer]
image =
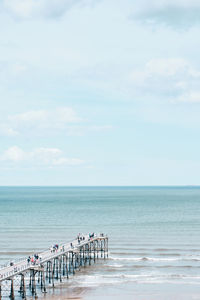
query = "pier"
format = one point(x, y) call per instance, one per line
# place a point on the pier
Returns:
point(27, 278)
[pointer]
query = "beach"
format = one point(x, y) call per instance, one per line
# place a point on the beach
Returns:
point(154, 245)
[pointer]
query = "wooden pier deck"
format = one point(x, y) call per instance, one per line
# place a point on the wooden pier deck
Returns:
point(51, 266)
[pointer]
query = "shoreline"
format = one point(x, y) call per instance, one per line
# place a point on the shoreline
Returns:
point(62, 292)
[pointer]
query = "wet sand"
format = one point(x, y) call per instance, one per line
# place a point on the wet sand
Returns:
point(64, 293)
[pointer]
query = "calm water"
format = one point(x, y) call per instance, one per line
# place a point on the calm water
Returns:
point(153, 233)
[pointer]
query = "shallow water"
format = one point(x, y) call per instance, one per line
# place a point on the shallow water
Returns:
point(153, 233)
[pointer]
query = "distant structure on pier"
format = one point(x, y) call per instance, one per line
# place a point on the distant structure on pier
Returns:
point(37, 273)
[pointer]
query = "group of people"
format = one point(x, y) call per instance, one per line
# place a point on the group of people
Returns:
point(91, 235)
point(56, 248)
point(34, 260)
point(80, 238)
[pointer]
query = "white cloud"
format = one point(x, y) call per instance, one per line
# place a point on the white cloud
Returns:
point(169, 67)
point(171, 78)
point(5, 130)
point(30, 116)
point(43, 120)
point(12, 70)
point(14, 154)
point(26, 9)
point(81, 130)
point(47, 118)
point(191, 97)
point(45, 155)
point(176, 13)
point(48, 157)
point(18, 68)
point(66, 161)
point(101, 128)
point(63, 120)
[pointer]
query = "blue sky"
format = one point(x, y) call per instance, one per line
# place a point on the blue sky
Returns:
point(99, 92)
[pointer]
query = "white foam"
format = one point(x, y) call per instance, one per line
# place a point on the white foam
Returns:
point(156, 259)
point(99, 280)
point(115, 266)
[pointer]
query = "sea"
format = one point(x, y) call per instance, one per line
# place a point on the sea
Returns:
point(154, 237)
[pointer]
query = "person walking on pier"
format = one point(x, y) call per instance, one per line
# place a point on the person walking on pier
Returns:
point(32, 260)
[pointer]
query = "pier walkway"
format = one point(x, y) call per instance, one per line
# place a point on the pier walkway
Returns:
point(51, 266)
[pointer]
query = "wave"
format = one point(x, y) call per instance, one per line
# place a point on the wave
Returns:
point(156, 259)
point(163, 267)
point(150, 249)
point(98, 280)
point(144, 253)
point(115, 266)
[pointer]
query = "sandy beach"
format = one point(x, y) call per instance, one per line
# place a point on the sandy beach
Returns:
point(65, 293)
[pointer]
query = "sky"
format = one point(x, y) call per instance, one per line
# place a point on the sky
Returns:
point(99, 92)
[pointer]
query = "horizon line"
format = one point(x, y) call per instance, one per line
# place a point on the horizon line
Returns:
point(164, 185)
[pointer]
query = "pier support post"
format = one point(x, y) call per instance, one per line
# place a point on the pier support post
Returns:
point(67, 268)
point(51, 275)
point(49, 271)
point(84, 262)
point(38, 276)
point(84, 256)
point(30, 281)
point(60, 268)
point(23, 287)
point(94, 250)
point(75, 261)
point(43, 282)
point(80, 257)
point(41, 279)
point(97, 244)
point(12, 294)
point(70, 264)
point(89, 252)
point(63, 265)
point(56, 267)
point(73, 265)
point(33, 289)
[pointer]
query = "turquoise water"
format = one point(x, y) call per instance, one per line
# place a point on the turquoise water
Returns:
point(153, 233)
